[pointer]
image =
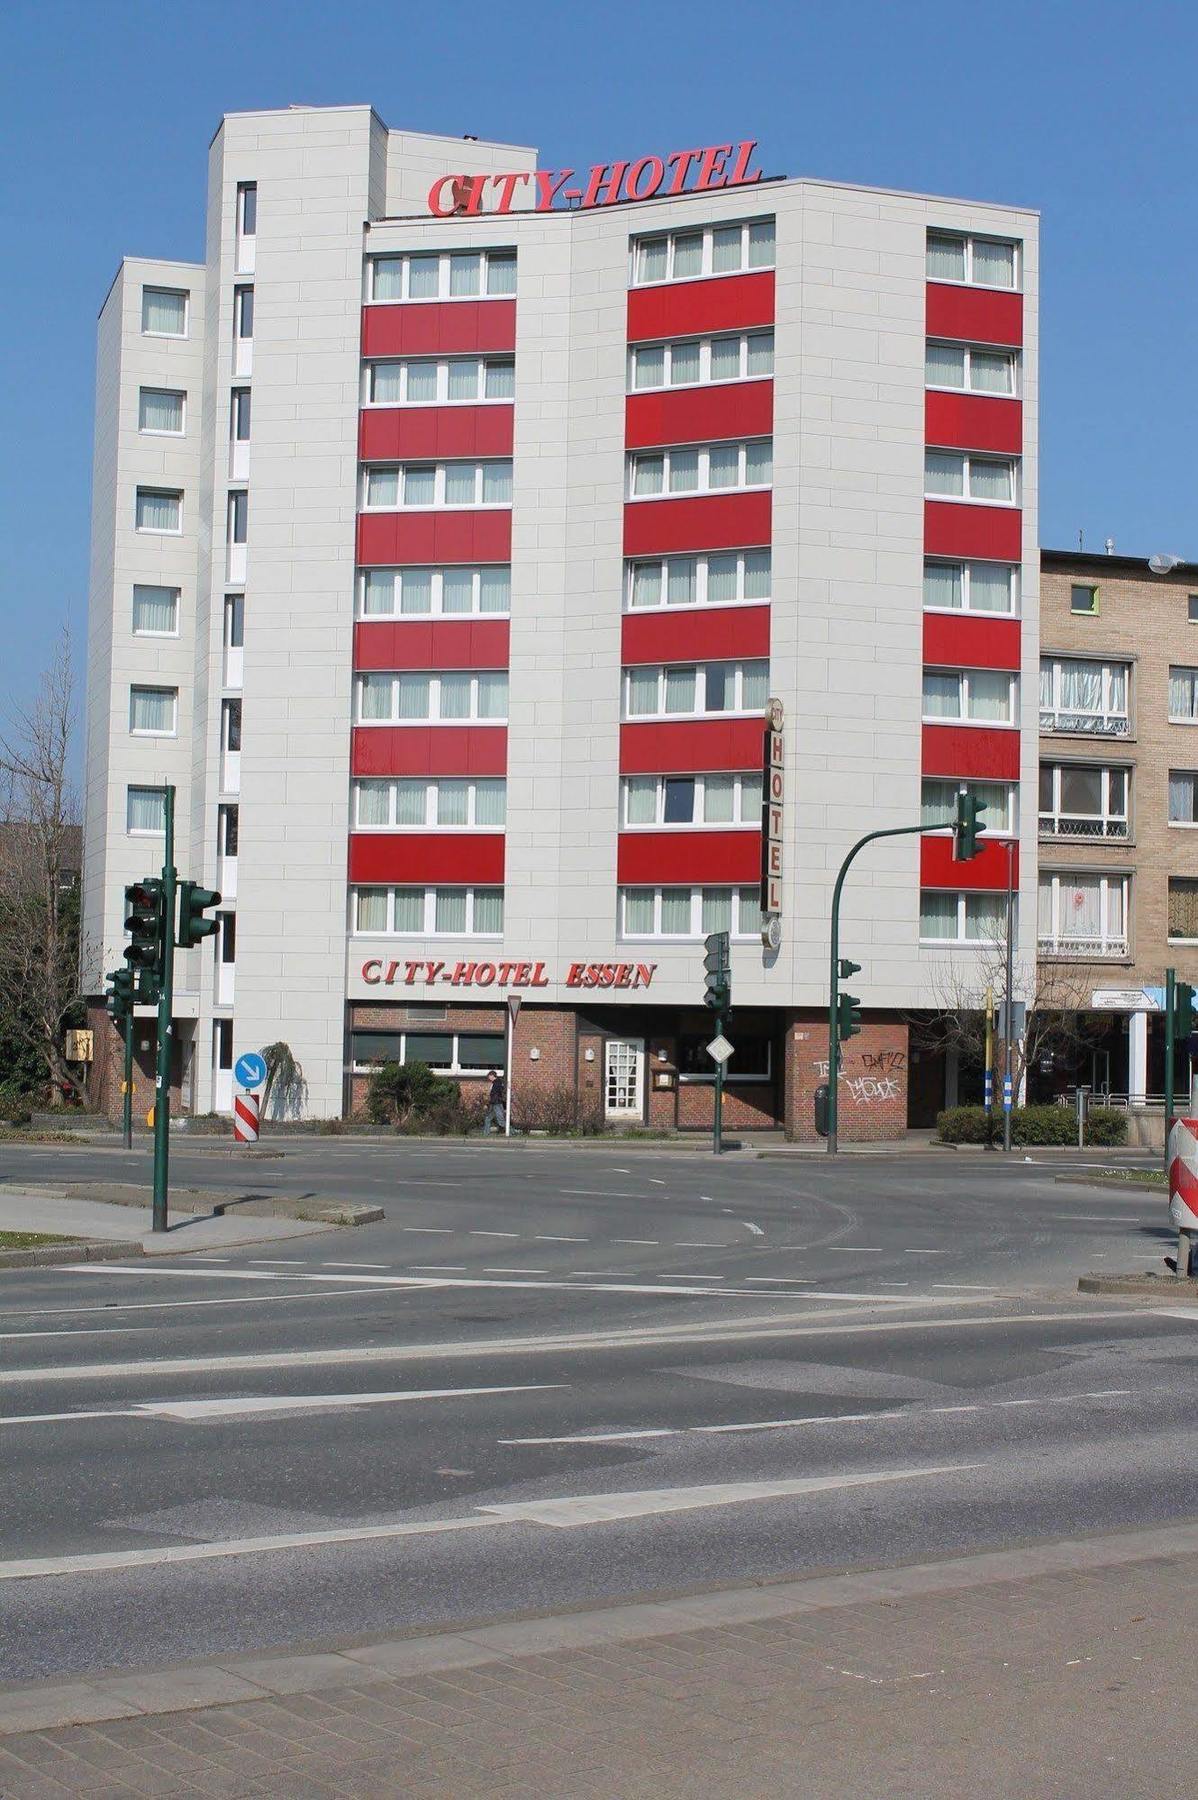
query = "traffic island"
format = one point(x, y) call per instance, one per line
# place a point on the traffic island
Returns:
point(37, 1251)
point(1165, 1286)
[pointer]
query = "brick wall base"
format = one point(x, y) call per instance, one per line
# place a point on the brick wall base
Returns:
point(872, 1098)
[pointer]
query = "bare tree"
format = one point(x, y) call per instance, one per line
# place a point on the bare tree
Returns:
point(39, 869)
point(1056, 1026)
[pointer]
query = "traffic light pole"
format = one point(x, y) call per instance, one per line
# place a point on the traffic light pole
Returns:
point(127, 1102)
point(1170, 1052)
point(717, 1126)
point(166, 1000)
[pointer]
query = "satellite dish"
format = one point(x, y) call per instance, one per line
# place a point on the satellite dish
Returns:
point(1163, 565)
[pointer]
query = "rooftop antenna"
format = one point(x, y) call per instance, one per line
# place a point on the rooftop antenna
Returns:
point(1163, 563)
point(1081, 540)
point(1109, 546)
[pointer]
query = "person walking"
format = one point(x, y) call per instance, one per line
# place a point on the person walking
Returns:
point(496, 1117)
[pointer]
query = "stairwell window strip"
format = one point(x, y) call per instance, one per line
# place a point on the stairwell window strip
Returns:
point(452, 696)
point(426, 911)
point(700, 362)
point(719, 578)
point(692, 255)
point(987, 587)
point(654, 802)
point(976, 261)
point(704, 469)
point(970, 696)
point(946, 917)
point(449, 275)
point(695, 690)
point(440, 804)
point(160, 510)
point(155, 611)
point(939, 801)
point(164, 312)
point(445, 381)
point(975, 480)
point(689, 912)
point(971, 369)
point(454, 591)
point(430, 487)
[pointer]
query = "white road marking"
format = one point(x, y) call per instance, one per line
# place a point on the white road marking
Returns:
point(583, 1509)
point(910, 1252)
point(543, 1238)
point(604, 1274)
point(700, 1244)
point(85, 1331)
point(1106, 1218)
point(1188, 1313)
point(657, 1181)
point(73, 1312)
point(277, 1262)
point(430, 1230)
point(974, 1287)
point(515, 1271)
point(349, 1265)
point(181, 1411)
point(200, 1257)
point(502, 1234)
point(858, 1249)
point(636, 1240)
point(439, 1268)
point(790, 1280)
point(755, 1229)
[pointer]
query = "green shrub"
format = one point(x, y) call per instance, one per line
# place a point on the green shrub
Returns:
point(1031, 1125)
point(1105, 1126)
point(410, 1097)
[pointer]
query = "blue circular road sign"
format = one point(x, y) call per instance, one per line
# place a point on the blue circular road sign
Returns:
point(250, 1069)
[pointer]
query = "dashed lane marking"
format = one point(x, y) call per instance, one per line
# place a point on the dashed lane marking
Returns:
point(544, 1237)
point(636, 1240)
point(498, 1234)
point(184, 1411)
point(755, 1229)
point(349, 1265)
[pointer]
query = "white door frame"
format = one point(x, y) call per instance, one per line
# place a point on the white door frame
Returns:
point(637, 1047)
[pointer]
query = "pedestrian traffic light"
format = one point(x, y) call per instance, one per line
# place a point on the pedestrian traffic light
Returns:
point(1183, 1009)
point(194, 901)
point(848, 1017)
point(144, 922)
point(119, 995)
point(717, 968)
point(968, 827)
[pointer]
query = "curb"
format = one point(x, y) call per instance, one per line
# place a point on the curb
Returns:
point(91, 1251)
point(1176, 1289)
point(1118, 1182)
point(220, 1203)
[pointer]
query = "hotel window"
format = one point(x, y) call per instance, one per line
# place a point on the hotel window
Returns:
point(243, 312)
point(752, 1060)
point(971, 587)
point(696, 800)
point(959, 475)
point(970, 369)
point(159, 509)
point(1183, 909)
point(951, 918)
point(450, 381)
point(714, 250)
point(1083, 915)
point(447, 1052)
point(164, 312)
point(939, 802)
point(1183, 696)
point(400, 593)
point(1183, 797)
point(145, 811)
point(247, 208)
point(690, 362)
point(695, 688)
point(689, 912)
point(239, 416)
point(160, 410)
point(456, 275)
point(430, 486)
point(984, 262)
point(702, 469)
point(1083, 599)
point(975, 696)
point(442, 804)
point(719, 578)
point(427, 912)
point(457, 694)
point(1082, 694)
point(1083, 800)
point(155, 611)
point(153, 711)
point(239, 512)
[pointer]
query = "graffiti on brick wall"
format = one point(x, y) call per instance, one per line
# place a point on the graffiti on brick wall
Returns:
point(883, 1062)
point(864, 1090)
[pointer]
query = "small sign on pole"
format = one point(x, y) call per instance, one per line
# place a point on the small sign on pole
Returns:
point(250, 1070)
point(719, 1049)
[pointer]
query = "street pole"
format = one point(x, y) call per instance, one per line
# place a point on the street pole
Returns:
point(717, 1124)
point(1170, 1052)
point(166, 998)
point(1009, 1021)
point(988, 1079)
point(513, 1007)
point(127, 1102)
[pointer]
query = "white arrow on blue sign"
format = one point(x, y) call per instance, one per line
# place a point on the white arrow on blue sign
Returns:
point(250, 1069)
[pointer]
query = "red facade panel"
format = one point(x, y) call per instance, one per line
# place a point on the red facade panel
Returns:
point(684, 308)
point(690, 746)
point(973, 422)
point(711, 522)
point(388, 538)
point(697, 415)
point(431, 644)
point(386, 432)
point(716, 857)
point(987, 871)
point(417, 857)
point(429, 328)
point(429, 750)
point(670, 636)
point(970, 641)
point(952, 528)
point(986, 753)
point(974, 315)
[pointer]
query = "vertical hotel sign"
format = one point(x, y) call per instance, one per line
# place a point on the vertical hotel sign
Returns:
point(773, 808)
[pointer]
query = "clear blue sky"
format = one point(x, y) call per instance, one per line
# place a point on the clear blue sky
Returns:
point(1086, 112)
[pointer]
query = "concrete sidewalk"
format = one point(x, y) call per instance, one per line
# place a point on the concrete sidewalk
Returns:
point(29, 1210)
point(1054, 1673)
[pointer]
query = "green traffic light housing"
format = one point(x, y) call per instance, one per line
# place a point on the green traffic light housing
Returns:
point(848, 1017)
point(144, 922)
point(968, 827)
point(717, 968)
point(845, 968)
point(194, 902)
point(119, 996)
point(1184, 997)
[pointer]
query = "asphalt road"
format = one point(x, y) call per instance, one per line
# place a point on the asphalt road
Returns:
point(552, 1377)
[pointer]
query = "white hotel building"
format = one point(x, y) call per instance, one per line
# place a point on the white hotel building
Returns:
point(444, 557)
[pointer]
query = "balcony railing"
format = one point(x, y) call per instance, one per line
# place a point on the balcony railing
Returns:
point(1116, 725)
point(1073, 826)
point(1088, 947)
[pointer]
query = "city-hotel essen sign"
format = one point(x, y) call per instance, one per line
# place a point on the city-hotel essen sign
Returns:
point(681, 172)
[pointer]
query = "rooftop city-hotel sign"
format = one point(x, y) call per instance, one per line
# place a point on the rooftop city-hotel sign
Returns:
point(681, 172)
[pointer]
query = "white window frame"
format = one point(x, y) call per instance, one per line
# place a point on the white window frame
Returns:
point(703, 486)
point(244, 188)
point(241, 391)
point(1056, 944)
point(1106, 717)
point(480, 397)
point(969, 459)
point(1111, 826)
point(700, 669)
point(154, 687)
point(1190, 718)
point(438, 503)
point(701, 559)
point(434, 678)
point(500, 252)
point(962, 897)
point(969, 239)
point(965, 690)
point(746, 806)
point(437, 581)
point(705, 378)
point(239, 293)
point(1169, 937)
point(1181, 824)
point(140, 630)
point(966, 567)
point(1010, 392)
point(989, 826)
point(143, 831)
point(184, 294)
point(695, 930)
point(428, 929)
point(430, 821)
point(236, 495)
point(158, 530)
point(179, 394)
point(707, 273)
point(458, 1067)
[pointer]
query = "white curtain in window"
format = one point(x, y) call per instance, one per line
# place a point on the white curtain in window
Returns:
point(1047, 700)
point(761, 353)
point(386, 383)
point(680, 690)
point(646, 584)
point(382, 487)
point(490, 802)
point(1081, 687)
point(723, 466)
point(675, 912)
point(157, 511)
point(374, 803)
point(989, 587)
point(497, 483)
point(163, 311)
point(938, 801)
point(463, 378)
point(648, 474)
point(937, 915)
point(1181, 797)
point(416, 591)
point(1044, 923)
point(721, 579)
point(642, 692)
point(378, 592)
point(411, 802)
point(495, 590)
point(1117, 687)
point(649, 366)
point(748, 910)
point(419, 487)
point(750, 799)
point(989, 695)
point(717, 909)
point(501, 272)
point(684, 364)
point(374, 696)
point(719, 793)
point(500, 381)
point(942, 584)
point(993, 264)
point(761, 244)
point(492, 694)
point(681, 580)
point(1115, 928)
point(1182, 688)
point(985, 917)
point(989, 480)
point(991, 372)
point(946, 258)
point(461, 484)
point(413, 697)
point(653, 260)
point(454, 696)
point(453, 803)
point(450, 909)
point(759, 463)
point(638, 912)
point(159, 410)
point(421, 384)
point(488, 911)
point(155, 609)
point(1080, 907)
point(688, 255)
point(944, 473)
point(941, 695)
point(755, 686)
point(757, 575)
point(684, 471)
point(409, 909)
point(725, 359)
point(424, 277)
point(388, 277)
point(457, 591)
point(725, 248)
point(371, 909)
point(465, 274)
point(146, 809)
point(944, 365)
point(152, 709)
point(640, 800)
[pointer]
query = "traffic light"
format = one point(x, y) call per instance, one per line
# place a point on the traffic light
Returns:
point(717, 968)
point(119, 996)
point(145, 924)
point(968, 827)
point(848, 1017)
point(1183, 1009)
point(194, 901)
point(845, 968)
